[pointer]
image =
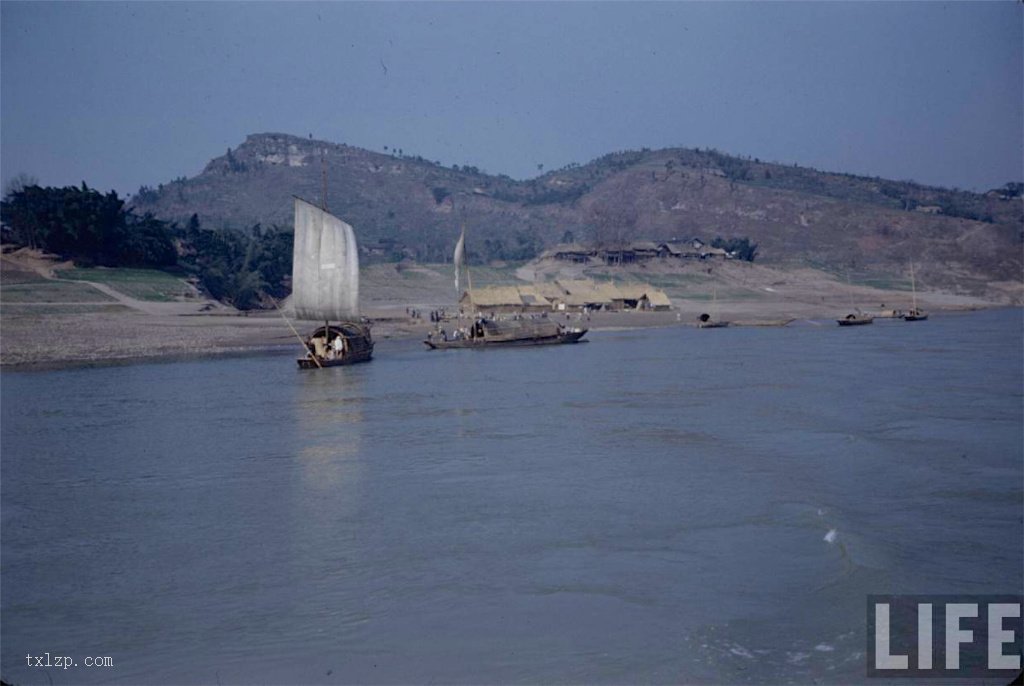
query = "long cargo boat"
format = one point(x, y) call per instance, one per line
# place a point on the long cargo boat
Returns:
point(495, 333)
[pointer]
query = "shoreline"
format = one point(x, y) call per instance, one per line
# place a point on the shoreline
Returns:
point(49, 323)
point(211, 336)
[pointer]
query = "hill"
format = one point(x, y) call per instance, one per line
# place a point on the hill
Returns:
point(407, 206)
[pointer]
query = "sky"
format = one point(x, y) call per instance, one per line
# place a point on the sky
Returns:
point(121, 95)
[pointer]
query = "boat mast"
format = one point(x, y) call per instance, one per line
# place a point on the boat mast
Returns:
point(849, 291)
point(323, 181)
point(913, 286)
point(323, 206)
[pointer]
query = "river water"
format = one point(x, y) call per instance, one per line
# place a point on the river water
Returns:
point(669, 505)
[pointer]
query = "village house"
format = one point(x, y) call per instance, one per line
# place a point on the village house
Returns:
point(637, 251)
point(707, 252)
point(679, 251)
point(644, 250)
point(614, 256)
point(571, 252)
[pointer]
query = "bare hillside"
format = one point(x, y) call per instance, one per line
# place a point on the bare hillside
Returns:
point(407, 206)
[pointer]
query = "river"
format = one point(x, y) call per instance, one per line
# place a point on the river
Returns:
point(661, 505)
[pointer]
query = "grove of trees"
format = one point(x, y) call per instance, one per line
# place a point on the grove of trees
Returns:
point(86, 226)
point(242, 268)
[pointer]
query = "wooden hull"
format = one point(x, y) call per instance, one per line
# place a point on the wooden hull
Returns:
point(562, 338)
point(308, 363)
point(860, 321)
point(358, 346)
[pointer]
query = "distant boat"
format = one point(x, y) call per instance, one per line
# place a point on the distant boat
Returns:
point(706, 321)
point(857, 319)
point(915, 314)
point(505, 333)
point(325, 286)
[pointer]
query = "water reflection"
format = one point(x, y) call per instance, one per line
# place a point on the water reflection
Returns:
point(328, 410)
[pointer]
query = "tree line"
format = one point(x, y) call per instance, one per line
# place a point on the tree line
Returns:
point(244, 268)
point(86, 226)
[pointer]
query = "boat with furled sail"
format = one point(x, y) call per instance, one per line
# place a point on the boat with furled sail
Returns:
point(325, 287)
point(492, 333)
point(916, 314)
point(707, 321)
point(855, 318)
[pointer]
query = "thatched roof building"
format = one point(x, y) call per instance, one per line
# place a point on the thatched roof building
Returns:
point(562, 295)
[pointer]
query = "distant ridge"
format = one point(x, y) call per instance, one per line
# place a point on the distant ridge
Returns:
point(963, 241)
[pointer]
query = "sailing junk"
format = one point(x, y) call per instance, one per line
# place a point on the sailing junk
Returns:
point(325, 286)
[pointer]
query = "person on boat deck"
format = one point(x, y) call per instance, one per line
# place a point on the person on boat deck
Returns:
point(319, 347)
point(338, 345)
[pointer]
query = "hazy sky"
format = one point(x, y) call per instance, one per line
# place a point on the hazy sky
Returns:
point(124, 94)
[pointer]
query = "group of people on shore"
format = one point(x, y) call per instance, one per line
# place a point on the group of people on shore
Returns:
point(435, 315)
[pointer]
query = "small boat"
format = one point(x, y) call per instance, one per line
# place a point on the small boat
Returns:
point(505, 333)
point(916, 314)
point(857, 319)
point(705, 320)
point(325, 286)
point(334, 345)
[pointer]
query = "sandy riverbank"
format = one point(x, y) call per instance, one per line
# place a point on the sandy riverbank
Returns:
point(94, 324)
point(34, 341)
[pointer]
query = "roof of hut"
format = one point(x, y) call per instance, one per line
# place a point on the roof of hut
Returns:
point(658, 298)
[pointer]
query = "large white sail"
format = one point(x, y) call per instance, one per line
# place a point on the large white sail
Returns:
point(459, 258)
point(325, 266)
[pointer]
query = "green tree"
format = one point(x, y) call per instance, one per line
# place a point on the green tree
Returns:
point(86, 226)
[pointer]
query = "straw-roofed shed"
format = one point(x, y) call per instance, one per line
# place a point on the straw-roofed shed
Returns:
point(504, 299)
point(658, 300)
point(569, 294)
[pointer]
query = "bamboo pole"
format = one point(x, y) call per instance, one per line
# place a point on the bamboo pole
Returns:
point(297, 334)
point(913, 285)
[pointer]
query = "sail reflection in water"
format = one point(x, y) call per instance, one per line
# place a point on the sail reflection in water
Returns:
point(328, 412)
